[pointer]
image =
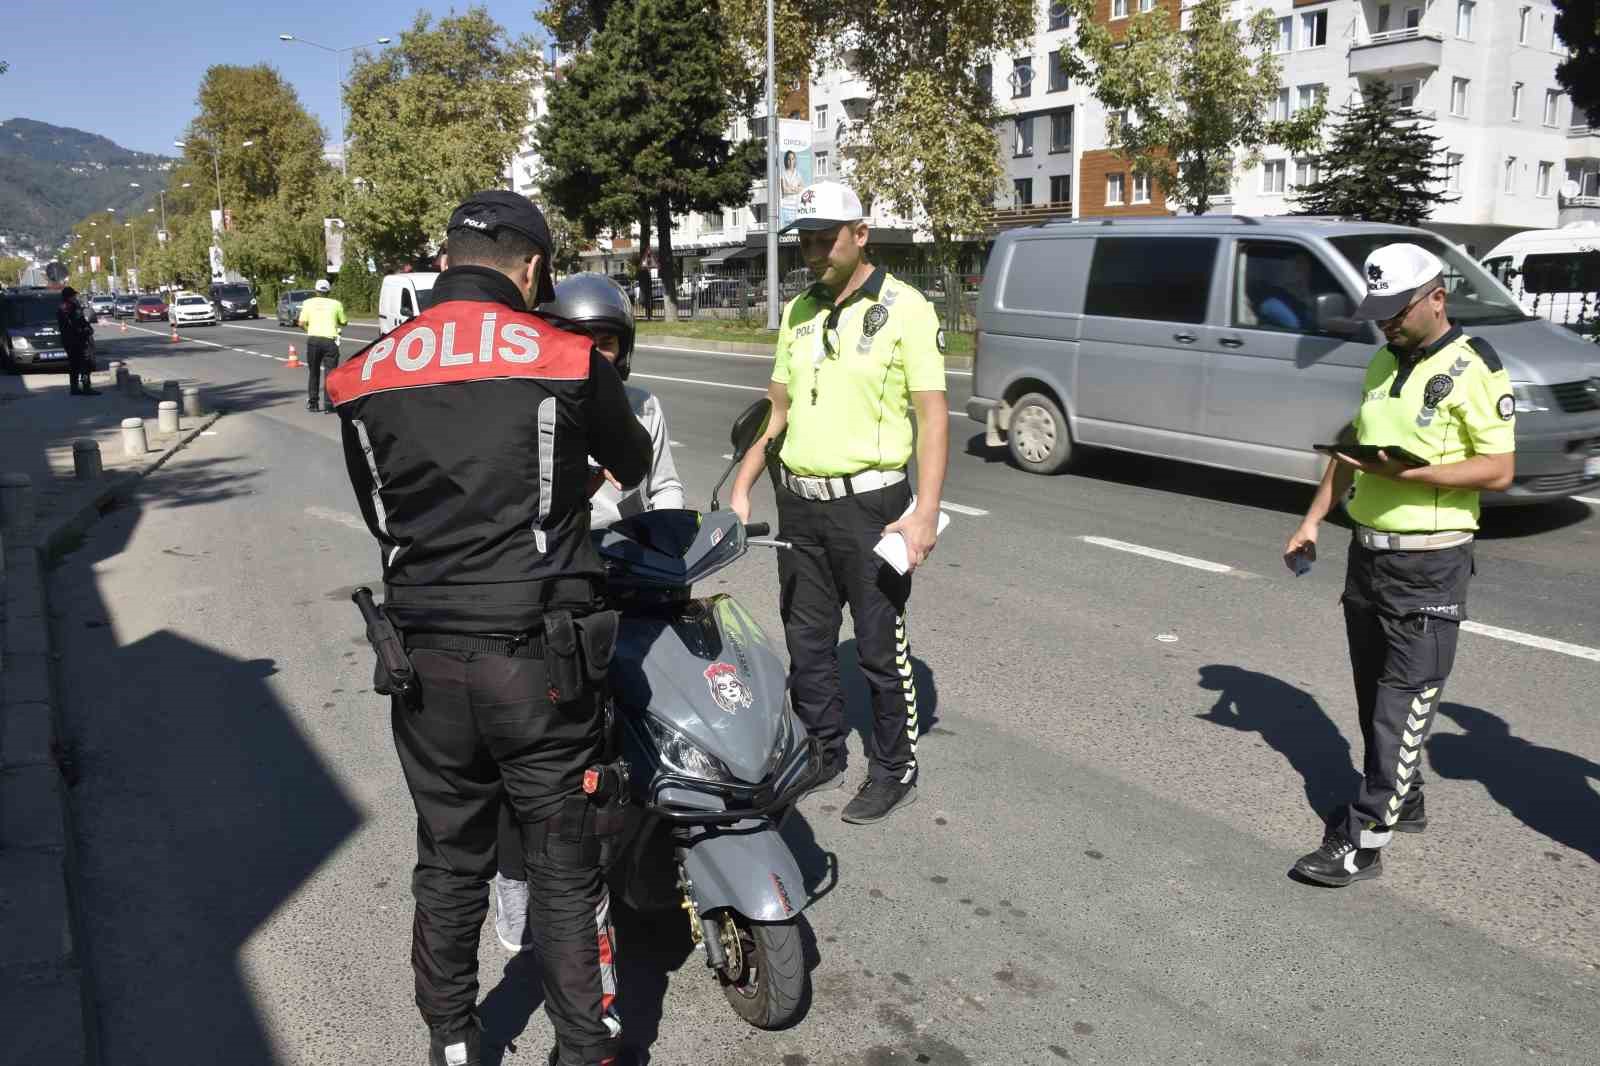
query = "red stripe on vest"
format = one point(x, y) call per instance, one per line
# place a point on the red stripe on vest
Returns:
point(463, 340)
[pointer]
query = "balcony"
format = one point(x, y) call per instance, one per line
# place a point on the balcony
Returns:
point(1394, 51)
point(1004, 218)
point(1583, 142)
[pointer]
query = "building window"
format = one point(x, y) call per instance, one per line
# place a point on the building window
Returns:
point(1309, 95)
point(1516, 100)
point(1552, 101)
point(1273, 172)
point(1314, 29)
point(1464, 19)
point(759, 213)
point(822, 117)
point(1114, 187)
point(1511, 175)
point(711, 223)
point(1452, 171)
point(1022, 192)
point(1285, 34)
point(1545, 170)
point(1022, 136)
point(822, 164)
point(1060, 14)
point(1280, 106)
point(1119, 9)
point(1146, 5)
point(1383, 18)
point(1524, 19)
point(1141, 188)
point(1458, 97)
point(1058, 71)
point(1061, 189)
point(1305, 173)
point(1021, 77)
point(1406, 93)
point(1061, 131)
point(1413, 17)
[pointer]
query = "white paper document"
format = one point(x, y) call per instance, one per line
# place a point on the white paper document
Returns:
point(892, 547)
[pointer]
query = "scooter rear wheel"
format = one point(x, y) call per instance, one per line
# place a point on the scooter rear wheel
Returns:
point(765, 980)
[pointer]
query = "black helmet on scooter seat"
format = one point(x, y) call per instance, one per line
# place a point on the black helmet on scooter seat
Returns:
point(593, 301)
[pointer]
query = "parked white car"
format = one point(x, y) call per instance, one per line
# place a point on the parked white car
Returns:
point(191, 309)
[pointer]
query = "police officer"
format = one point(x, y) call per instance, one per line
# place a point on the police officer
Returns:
point(854, 352)
point(465, 432)
point(1443, 397)
point(596, 306)
point(321, 317)
point(77, 337)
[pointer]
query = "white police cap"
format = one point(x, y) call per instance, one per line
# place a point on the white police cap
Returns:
point(1393, 274)
point(824, 205)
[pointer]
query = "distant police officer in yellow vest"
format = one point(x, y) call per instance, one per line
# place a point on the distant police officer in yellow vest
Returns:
point(1436, 395)
point(855, 353)
point(321, 317)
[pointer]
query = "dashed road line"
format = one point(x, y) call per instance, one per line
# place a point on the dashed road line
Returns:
point(697, 381)
point(956, 508)
point(1164, 556)
point(741, 355)
point(1588, 499)
point(343, 518)
point(1577, 651)
point(214, 344)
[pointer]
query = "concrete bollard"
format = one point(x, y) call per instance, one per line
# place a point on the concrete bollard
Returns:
point(169, 391)
point(86, 464)
point(133, 442)
point(191, 401)
point(167, 416)
point(131, 384)
point(122, 377)
point(16, 503)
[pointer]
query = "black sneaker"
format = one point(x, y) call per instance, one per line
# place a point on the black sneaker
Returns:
point(458, 1048)
point(1413, 816)
point(312, 405)
point(877, 799)
point(1338, 862)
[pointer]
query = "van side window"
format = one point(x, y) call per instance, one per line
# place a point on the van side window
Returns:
point(1167, 279)
point(1276, 285)
point(407, 308)
point(1500, 267)
point(1561, 272)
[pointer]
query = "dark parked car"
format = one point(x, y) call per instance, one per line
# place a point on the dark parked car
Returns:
point(31, 339)
point(234, 301)
point(150, 309)
point(289, 305)
point(127, 304)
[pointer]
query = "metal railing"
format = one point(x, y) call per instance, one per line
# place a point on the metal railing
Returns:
point(1410, 33)
point(1580, 201)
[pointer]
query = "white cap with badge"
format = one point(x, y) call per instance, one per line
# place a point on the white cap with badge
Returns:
point(1394, 273)
point(824, 205)
point(322, 285)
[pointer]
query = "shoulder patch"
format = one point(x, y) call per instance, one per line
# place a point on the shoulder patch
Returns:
point(1486, 352)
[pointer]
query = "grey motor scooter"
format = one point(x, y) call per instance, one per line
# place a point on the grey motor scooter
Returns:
point(716, 757)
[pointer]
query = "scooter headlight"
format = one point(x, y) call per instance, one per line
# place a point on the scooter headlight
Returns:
point(684, 755)
point(783, 745)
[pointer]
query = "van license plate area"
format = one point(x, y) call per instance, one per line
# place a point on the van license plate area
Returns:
point(1591, 466)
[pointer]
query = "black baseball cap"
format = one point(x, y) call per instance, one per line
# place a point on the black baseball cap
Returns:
point(495, 209)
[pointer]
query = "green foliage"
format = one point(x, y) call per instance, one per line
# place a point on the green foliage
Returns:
point(355, 287)
point(1382, 165)
point(1198, 100)
point(11, 269)
point(1578, 23)
point(433, 119)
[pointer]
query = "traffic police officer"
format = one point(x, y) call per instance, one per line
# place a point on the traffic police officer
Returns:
point(321, 317)
point(465, 434)
point(77, 337)
point(1442, 397)
point(854, 353)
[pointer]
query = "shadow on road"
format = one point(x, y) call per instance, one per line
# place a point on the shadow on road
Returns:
point(858, 698)
point(1292, 723)
point(1551, 791)
point(1508, 523)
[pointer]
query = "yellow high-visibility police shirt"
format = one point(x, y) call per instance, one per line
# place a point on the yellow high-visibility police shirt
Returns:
point(322, 316)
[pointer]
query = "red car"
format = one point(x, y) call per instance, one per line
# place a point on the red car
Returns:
point(150, 308)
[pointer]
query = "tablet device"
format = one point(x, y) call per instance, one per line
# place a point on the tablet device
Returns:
point(1368, 453)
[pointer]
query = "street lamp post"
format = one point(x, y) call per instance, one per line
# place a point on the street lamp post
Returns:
point(338, 53)
point(216, 166)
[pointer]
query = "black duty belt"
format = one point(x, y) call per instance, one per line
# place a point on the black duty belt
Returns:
point(514, 645)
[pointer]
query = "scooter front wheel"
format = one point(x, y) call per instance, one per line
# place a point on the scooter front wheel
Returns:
point(765, 978)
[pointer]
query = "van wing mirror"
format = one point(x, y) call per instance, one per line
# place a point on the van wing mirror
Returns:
point(1335, 316)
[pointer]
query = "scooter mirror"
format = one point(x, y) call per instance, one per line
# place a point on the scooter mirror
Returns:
point(749, 426)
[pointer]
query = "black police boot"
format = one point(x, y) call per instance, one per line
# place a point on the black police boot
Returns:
point(831, 778)
point(1338, 862)
point(312, 405)
point(1413, 815)
point(877, 799)
point(623, 1057)
point(459, 1047)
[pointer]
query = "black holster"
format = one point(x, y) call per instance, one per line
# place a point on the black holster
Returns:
point(392, 673)
point(578, 651)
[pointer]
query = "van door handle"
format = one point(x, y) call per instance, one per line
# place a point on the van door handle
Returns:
point(1231, 342)
point(1184, 338)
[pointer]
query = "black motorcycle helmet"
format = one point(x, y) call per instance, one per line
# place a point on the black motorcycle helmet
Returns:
point(593, 300)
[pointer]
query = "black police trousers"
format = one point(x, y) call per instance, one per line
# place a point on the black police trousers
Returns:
point(486, 730)
point(80, 364)
point(832, 564)
point(322, 357)
point(1403, 612)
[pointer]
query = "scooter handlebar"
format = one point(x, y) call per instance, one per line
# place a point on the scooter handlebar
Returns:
point(757, 529)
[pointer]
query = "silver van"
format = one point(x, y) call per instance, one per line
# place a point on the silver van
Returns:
point(1228, 341)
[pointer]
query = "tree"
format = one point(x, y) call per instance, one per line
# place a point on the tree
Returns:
point(12, 267)
point(639, 122)
point(1197, 101)
point(433, 119)
point(1383, 165)
point(1578, 24)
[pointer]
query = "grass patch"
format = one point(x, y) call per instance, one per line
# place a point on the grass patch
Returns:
point(958, 345)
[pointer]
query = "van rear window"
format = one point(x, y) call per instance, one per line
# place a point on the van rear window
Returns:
point(1561, 272)
point(1167, 279)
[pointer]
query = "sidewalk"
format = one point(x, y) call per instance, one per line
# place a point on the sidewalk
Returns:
point(44, 1005)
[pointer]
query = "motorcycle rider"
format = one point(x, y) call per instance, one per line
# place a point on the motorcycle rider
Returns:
point(465, 431)
point(595, 305)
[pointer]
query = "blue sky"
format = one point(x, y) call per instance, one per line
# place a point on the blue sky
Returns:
point(129, 69)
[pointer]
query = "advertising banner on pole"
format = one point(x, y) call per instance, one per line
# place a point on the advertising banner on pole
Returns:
point(333, 240)
point(217, 272)
point(94, 264)
point(794, 165)
point(216, 222)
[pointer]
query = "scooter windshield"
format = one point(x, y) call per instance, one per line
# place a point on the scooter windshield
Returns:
point(670, 549)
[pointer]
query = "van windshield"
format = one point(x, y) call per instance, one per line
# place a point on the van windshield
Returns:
point(1472, 298)
point(29, 311)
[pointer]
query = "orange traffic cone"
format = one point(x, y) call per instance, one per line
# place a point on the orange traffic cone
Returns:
point(174, 335)
point(294, 359)
point(122, 327)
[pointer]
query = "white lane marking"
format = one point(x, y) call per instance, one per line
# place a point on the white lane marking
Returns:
point(1577, 651)
point(1588, 499)
point(697, 381)
point(344, 518)
point(742, 355)
point(214, 344)
point(956, 508)
point(1157, 553)
point(676, 443)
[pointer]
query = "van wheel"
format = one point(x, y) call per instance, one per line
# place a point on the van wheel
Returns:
point(1038, 436)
